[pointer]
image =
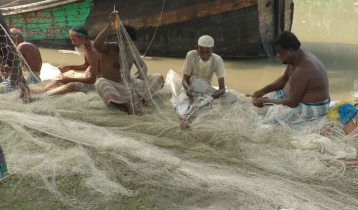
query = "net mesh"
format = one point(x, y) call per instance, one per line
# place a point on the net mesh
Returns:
point(129, 55)
point(13, 66)
point(86, 155)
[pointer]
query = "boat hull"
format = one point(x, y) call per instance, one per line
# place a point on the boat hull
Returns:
point(241, 28)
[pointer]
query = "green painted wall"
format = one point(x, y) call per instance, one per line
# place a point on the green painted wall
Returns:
point(53, 23)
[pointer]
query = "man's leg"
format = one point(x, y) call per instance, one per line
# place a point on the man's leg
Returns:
point(228, 98)
point(68, 88)
point(51, 85)
point(182, 107)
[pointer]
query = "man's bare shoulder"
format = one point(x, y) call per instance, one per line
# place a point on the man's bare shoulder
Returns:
point(27, 46)
point(311, 62)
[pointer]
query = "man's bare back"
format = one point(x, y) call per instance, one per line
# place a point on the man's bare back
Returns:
point(32, 55)
point(311, 68)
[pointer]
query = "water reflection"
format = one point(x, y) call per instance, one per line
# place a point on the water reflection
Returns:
point(327, 28)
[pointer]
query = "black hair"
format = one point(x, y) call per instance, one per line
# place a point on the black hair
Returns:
point(287, 40)
point(132, 32)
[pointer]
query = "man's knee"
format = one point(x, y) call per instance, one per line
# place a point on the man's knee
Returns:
point(99, 82)
point(228, 98)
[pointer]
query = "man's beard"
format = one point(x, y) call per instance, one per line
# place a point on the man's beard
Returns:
point(80, 48)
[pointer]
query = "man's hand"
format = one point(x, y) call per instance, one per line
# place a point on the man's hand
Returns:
point(189, 93)
point(217, 94)
point(139, 75)
point(258, 94)
point(258, 102)
point(113, 17)
point(64, 69)
point(63, 79)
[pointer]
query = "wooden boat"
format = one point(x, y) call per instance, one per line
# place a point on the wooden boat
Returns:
point(241, 28)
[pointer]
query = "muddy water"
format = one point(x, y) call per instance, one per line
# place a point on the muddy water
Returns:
point(326, 28)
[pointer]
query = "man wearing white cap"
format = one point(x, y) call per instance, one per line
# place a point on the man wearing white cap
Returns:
point(198, 71)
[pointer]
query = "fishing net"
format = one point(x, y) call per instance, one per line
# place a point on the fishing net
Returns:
point(89, 156)
point(10, 62)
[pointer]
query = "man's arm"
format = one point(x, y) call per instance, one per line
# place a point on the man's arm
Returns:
point(217, 94)
point(298, 83)
point(100, 42)
point(22, 49)
point(142, 69)
point(220, 73)
point(93, 70)
point(185, 83)
point(82, 67)
point(187, 71)
point(278, 84)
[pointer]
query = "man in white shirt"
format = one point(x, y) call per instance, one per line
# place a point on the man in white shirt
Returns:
point(198, 71)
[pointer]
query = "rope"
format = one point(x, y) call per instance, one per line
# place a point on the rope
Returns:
point(160, 18)
point(124, 74)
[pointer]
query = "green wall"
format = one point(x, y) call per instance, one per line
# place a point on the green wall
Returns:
point(53, 23)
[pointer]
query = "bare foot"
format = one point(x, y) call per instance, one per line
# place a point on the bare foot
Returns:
point(327, 132)
point(24, 93)
point(184, 123)
point(127, 107)
point(131, 109)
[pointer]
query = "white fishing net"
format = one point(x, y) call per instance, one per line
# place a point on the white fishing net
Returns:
point(87, 155)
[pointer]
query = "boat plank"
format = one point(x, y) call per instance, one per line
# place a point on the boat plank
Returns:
point(143, 20)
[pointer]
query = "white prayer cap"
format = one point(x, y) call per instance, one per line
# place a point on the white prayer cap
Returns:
point(206, 41)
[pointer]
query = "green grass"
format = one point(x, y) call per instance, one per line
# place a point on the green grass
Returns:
point(23, 193)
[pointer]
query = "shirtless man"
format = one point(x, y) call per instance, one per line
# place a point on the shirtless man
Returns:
point(303, 88)
point(120, 90)
point(31, 54)
point(79, 38)
point(9, 56)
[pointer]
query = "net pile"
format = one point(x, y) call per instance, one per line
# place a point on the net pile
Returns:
point(87, 155)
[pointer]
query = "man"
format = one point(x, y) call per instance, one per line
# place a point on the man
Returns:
point(303, 88)
point(116, 87)
point(31, 55)
point(10, 61)
point(198, 71)
point(80, 39)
